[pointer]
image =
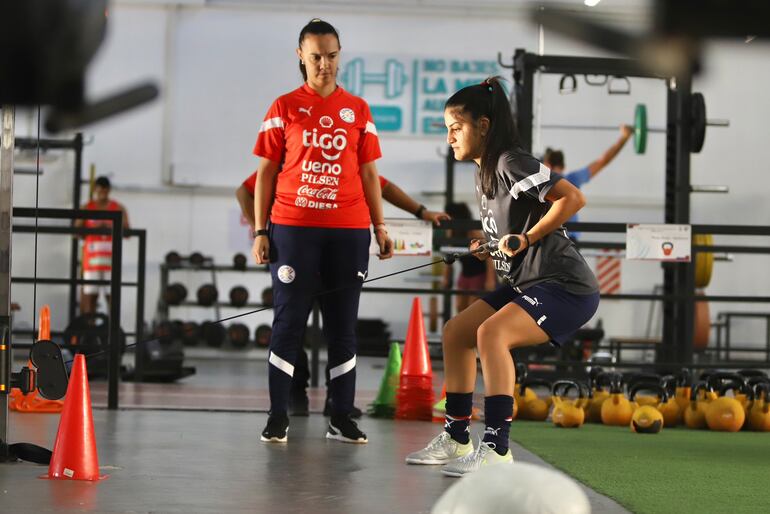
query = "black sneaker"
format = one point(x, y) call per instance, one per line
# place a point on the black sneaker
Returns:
point(344, 429)
point(355, 413)
point(276, 429)
point(299, 406)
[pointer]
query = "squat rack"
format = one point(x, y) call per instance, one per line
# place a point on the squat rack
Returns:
point(678, 278)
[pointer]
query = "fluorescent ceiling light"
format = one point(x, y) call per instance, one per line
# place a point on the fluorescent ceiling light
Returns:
point(591, 3)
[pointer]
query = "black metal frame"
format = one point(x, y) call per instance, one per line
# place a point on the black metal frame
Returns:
point(678, 278)
point(117, 232)
point(76, 145)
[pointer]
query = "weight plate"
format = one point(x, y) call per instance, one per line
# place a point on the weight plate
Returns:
point(640, 128)
point(704, 261)
point(698, 122)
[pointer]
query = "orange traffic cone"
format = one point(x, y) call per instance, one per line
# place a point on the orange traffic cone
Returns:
point(74, 452)
point(415, 391)
point(33, 402)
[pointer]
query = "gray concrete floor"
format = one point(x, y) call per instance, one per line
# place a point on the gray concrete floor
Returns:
point(213, 462)
point(203, 461)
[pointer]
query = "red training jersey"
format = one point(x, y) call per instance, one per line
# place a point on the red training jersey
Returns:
point(251, 183)
point(97, 250)
point(322, 143)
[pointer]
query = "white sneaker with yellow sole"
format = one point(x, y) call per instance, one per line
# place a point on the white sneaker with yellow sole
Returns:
point(441, 450)
point(483, 455)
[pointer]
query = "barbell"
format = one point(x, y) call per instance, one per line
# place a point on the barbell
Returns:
point(697, 133)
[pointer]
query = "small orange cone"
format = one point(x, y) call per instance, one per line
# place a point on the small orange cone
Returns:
point(414, 398)
point(33, 402)
point(74, 452)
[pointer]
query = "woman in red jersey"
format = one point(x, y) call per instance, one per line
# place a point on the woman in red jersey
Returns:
point(320, 206)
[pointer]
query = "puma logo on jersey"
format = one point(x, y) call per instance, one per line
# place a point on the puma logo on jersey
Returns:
point(532, 301)
point(306, 111)
point(363, 274)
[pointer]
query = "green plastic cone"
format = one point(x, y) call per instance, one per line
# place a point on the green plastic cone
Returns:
point(439, 410)
point(384, 406)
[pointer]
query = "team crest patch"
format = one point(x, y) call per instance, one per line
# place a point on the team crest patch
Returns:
point(347, 115)
point(286, 274)
point(326, 121)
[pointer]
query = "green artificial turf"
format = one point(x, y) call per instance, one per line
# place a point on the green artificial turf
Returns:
point(677, 470)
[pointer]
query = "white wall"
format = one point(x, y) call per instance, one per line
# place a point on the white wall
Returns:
point(220, 66)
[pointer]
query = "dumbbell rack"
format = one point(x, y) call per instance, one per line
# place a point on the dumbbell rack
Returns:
point(163, 308)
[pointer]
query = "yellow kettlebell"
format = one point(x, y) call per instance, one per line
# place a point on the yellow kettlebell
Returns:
point(647, 419)
point(567, 413)
point(670, 410)
point(616, 409)
point(695, 413)
point(759, 416)
point(643, 378)
point(753, 391)
point(599, 392)
point(726, 413)
point(683, 390)
point(521, 374)
point(532, 406)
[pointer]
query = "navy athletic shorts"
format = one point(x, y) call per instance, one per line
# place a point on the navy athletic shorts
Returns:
point(558, 312)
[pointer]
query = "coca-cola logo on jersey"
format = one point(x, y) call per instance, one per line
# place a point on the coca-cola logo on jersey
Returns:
point(331, 145)
point(323, 193)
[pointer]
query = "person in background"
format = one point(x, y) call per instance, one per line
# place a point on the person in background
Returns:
point(97, 249)
point(554, 159)
point(475, 274)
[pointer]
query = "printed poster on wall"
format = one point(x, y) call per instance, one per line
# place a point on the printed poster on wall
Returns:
point(407, 93)
point(410, 237)
point(671, 243)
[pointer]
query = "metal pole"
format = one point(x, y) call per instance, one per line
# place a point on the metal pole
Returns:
point(523, 75)
point(77, 145)
point(450, 176)
point(6, 226)
point(113, 373)
point(139, 330)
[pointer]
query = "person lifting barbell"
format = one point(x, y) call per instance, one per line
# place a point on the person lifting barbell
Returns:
point(554, 159)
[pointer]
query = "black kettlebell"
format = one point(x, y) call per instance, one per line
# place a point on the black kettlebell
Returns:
point(213, 333)
point(262, 335)
point(238, 334)
point(207, 295)
point(239, 296)
point(174, 294)
point(239, 262)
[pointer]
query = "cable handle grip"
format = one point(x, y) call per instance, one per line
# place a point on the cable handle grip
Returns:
point(513, 244)
point(490, 246)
